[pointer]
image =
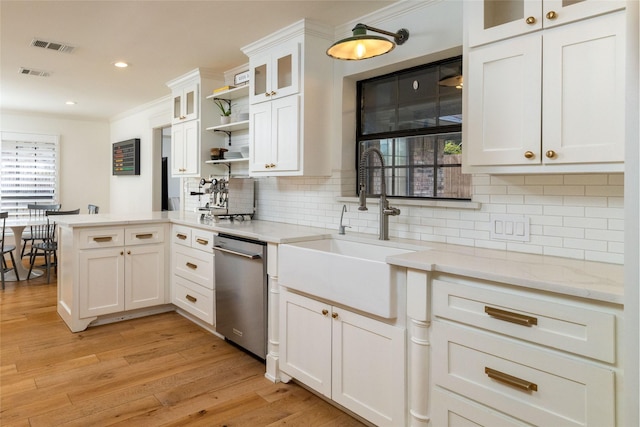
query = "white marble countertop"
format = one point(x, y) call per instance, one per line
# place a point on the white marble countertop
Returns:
point(586, 279)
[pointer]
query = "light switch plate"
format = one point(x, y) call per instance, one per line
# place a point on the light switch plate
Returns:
point(510, 227)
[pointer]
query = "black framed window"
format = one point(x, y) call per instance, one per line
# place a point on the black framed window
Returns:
point(414, 117)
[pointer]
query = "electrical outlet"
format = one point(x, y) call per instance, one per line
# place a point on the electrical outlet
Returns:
point(510, 227)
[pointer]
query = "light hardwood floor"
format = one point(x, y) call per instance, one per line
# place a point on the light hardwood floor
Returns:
point(160, 370)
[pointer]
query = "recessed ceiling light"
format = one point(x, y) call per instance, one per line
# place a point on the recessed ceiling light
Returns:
point(121, 64)
point(71, 102)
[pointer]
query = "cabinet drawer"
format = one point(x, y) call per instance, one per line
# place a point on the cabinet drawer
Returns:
point(575, 328)
point(143, 235)
point(181, 235)
point(534, 385)
point(93, 238)
point(193, 298)
point(452, 410)
point(194, 265)
point(202, 240)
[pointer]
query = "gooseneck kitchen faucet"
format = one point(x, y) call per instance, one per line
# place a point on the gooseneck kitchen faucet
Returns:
point(385, 209)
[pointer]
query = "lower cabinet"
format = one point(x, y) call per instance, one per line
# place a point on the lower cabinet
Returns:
point(192, 272)
point(357, 361)
point(517, 357)
point(121, 269)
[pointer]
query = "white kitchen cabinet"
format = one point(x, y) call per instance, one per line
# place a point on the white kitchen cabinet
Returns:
point(275, 73)
point(192, 272)
point(352, 359)
point(496, 20)
point(507, 357)
point(274, 136)
point(192, 114)
point(120, 277)
point(550, 101)
point(290, 95)
point(185, 103)
point(185, 149)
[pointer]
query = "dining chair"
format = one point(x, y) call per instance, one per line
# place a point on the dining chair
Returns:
point(36, 232)
point(4, 249)
point(93, 209)
point(49, 245)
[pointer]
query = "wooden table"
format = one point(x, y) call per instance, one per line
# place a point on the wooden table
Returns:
point(17, 226)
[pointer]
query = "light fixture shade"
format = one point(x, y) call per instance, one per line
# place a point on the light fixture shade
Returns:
point(363, 46)
point(360, 47)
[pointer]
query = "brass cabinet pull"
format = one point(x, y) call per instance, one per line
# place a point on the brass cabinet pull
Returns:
point(325, 311)
point(530, 20)
point(192, 266)
point(552, 15)
point(266, 94)
point(529, 154)
point(508, 316)
point(144, 236)
point(181, 236)
point(550, 154)
point(334, 315)
point(121, 252)
point(190, 298)
point(272, 93)
point(202, 241)
point(510, 380)
point(103, 239)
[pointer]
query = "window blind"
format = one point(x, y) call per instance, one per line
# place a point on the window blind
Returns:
point(28, 171)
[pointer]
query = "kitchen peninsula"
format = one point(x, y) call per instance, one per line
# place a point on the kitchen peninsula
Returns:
point(555, 322)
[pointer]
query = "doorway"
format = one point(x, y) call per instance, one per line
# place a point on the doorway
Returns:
point(170, 191)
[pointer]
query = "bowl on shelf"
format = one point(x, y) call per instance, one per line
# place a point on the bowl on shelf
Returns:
point(233, 155)
point(243, 116)
point(244, 151)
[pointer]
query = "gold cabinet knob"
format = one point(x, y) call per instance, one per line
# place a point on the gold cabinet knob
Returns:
point(325, 312)
point(550, 154)
point(529, 154)
point(334, 315)
point(266, 94)
point(272, 165)
point(272, 93)
point(552, 15)
point(121, 252)
point(530, 20)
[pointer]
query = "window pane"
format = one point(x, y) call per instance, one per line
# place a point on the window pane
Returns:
point(379, 100)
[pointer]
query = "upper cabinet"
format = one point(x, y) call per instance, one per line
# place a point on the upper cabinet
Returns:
point(185, 103)
point(290, 101)
point(545, 101)
point(275, 74)
point(190, 142)
point(493, 20)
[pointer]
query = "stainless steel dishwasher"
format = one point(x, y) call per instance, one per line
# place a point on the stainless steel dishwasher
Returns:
point(241, 292)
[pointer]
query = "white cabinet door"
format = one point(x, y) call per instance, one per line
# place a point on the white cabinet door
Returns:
point(185, 104)
point(368, 367)
point(185, 149)
point(144, 276)
point(274, 136)
point(101, 281)
point(504, 103)
point(305, 341)
point(489, 21)
point(275, 73)
point(584, 91)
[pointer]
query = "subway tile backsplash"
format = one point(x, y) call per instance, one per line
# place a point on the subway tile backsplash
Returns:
point(571, 216)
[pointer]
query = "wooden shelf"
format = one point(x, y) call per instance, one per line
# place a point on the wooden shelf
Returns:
point(235, 93)
point(231, 127)
point(213, 162)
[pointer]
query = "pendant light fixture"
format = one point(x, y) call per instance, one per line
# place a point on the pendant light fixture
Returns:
point(363, 46)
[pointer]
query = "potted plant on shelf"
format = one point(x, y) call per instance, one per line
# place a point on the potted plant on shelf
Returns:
point(225, 111)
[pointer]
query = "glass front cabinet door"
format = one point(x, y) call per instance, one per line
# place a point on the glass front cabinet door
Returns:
point(275, 73)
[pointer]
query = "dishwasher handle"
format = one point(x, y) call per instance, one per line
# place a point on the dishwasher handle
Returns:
point(242, 254)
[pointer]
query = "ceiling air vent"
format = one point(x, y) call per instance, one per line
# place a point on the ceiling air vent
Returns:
point(32, 72)
point(60, 47)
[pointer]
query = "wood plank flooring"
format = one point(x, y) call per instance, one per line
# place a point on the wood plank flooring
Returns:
point(161, 370)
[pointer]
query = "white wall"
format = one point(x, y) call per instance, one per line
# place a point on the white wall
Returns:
point(135, 193)
point(84, 156)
